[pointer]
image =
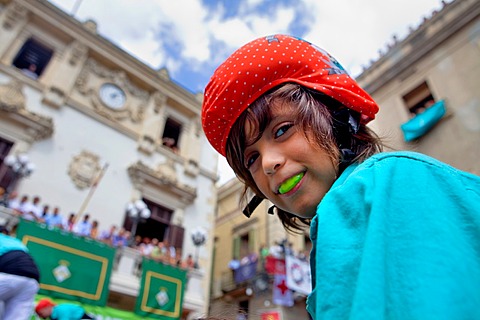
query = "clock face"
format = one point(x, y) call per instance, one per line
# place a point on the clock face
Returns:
point(112, 96)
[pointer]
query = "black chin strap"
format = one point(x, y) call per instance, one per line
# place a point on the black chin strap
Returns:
point(251, 206)
point(345, 124)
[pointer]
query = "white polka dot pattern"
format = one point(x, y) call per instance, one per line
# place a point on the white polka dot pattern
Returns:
point(268, 62)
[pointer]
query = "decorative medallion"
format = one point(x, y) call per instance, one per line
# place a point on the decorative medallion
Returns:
point(84, 168)
point(61, 272)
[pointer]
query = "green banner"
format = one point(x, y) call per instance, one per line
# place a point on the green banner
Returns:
point(100, 313)
point(161, 291)
point(71, 267)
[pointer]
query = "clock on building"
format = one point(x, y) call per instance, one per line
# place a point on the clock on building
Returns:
point(112, 96)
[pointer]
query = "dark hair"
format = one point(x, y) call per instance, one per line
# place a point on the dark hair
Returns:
point(317, 116)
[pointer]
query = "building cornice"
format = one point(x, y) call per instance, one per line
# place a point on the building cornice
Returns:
point(101, 48)
point(419, 43)
point(163, 178)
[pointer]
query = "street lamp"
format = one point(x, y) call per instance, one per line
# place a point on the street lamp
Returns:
point(137, 211)
point(199, 236)
point(21, 168)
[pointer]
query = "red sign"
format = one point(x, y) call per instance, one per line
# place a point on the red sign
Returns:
point(271, 315)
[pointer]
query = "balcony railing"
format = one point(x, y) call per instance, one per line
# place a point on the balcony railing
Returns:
point(126, 271)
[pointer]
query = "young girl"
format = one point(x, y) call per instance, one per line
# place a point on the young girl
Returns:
point(395, 235)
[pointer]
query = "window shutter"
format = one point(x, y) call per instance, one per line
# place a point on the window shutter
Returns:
point(175, 236)
point(251, 241)
point(236, 247)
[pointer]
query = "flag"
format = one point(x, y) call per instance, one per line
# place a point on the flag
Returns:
point(245, 272)
point(161, 291)
point(71, 267)
point(298, 275)
point(274, 265)
point(281, 294)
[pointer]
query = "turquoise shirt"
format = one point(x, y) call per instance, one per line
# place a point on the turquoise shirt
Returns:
point(67, 311)
point(397, 237)
point(8, 243)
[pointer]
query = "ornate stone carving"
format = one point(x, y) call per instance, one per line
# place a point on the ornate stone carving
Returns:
point(167, 170)
point(159, 100)
point(14, 15)
point(78, 51)
point(146, 144)
point(84, 168)
point(90, 25)
point(11, 96)
point(163, 73)
point(12, 100)
point(94, 75)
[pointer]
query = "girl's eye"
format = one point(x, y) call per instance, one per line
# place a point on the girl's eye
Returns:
point(250, 160)
point(282, 130)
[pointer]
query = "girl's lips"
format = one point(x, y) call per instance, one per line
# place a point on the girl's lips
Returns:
point(290, 183)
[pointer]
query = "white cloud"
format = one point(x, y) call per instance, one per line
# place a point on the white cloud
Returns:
point(354, 31)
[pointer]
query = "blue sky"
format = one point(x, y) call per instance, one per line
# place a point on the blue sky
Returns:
point(192, 37)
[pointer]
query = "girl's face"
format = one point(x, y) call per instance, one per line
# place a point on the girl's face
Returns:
point(289, 170)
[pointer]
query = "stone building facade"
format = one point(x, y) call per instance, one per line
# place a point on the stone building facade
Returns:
point(76, 104)
point(440, 60)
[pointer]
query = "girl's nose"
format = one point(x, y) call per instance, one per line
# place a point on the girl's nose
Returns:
point(271, 162)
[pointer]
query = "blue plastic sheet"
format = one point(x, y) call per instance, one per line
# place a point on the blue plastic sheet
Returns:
point(423, 122)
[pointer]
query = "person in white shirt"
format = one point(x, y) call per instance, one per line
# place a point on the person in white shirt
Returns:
point(84, 227)
point(54, 220)
point(32, 211)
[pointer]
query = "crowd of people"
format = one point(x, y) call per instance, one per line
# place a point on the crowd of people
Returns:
point(31, 209)
point(163, 251)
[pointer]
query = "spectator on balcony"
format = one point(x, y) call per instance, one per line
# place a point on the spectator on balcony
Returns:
point(45, 213)
point(94, 230)
point(137, 241)
point(178, 257)
point(121, 238)
point(128, 238)
point(107, 235)
point(17, 205)
point(69, 223)
point(84, 227)
point(31, 71)
point(54, 220)
point(19, 278)
point(170, 252)
point(146, 247)
point(158, 252)
point(11, 198)
point(170, 143)
point(31, 211)
point(188, 263)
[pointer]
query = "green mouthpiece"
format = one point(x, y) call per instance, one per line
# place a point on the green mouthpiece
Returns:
point(290, 183)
